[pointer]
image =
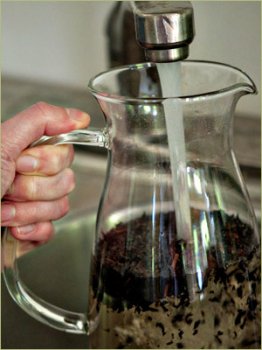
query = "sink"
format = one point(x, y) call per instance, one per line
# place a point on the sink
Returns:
point(54, 272)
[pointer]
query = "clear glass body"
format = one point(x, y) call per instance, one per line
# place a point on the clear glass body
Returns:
point(153, 285)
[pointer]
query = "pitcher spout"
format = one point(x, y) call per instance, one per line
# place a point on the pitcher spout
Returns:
point(241, 85)
point(246, 84)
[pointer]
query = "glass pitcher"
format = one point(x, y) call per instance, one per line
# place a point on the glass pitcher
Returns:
point(176, 259)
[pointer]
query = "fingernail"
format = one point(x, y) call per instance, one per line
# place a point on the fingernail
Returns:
point(7, 212)
point(23, 230)
point(27, 163)
point(78, 115)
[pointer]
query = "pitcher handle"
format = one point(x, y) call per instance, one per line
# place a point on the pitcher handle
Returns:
point(49, 314)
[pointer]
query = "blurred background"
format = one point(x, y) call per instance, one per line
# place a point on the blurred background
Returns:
point(66, 43)
point(50, 50)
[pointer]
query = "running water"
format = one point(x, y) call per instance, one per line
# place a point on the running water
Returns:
point(171, 82)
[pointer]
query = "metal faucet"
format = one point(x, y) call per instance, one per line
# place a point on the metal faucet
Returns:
point(159, 31)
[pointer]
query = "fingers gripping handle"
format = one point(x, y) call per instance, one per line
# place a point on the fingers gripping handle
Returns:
point(36, 307)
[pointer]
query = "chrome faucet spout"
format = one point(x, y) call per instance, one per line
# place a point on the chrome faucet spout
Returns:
point(161, 31)
point(164, 28)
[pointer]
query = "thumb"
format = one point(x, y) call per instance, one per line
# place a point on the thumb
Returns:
point(29, 125)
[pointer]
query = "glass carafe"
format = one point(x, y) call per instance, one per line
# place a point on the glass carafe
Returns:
point(176, 259)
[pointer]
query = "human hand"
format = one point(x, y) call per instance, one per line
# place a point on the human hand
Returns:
point(35, 181)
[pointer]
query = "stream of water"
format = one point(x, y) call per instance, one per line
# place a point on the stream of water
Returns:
point(171, 83)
